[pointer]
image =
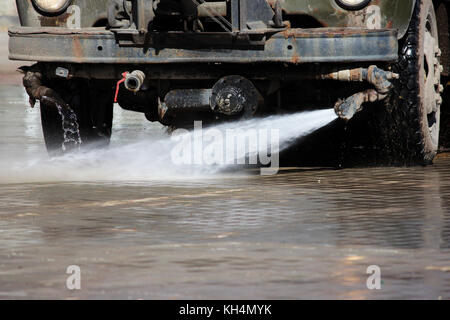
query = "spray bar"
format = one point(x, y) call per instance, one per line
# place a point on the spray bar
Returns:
point(380, 78)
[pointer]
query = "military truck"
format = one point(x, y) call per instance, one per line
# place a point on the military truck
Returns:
point(177, 61)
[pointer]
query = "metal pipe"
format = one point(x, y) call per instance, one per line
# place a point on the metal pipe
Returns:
point(374, 75)
point(134, 80)
point(346, 109)
point(185, 100)
point(379, 78)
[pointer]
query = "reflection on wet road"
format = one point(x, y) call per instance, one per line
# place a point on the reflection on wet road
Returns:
point(305, 233)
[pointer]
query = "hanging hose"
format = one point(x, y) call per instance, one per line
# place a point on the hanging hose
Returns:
point(36, 90)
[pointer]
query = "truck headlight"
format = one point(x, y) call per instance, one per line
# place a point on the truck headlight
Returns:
point(353, 4)
point(51, 6)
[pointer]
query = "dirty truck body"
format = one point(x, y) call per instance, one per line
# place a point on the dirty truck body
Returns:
point(178, 61)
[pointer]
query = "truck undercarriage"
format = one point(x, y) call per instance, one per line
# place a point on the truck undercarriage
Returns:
point(186, 60)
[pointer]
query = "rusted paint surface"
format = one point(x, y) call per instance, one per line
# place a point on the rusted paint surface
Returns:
point(59, 31)
point(326, 32)
point(292, 46)
point(58, 21)
point(92, 11)
point(295, 59)
point(77, 48)
point(390, 13)
point(338, 43)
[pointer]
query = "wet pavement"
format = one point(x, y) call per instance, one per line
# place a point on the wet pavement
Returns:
point(304, 233)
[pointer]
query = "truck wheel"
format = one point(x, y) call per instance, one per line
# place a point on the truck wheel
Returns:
point(90, 113)
point(411, 126)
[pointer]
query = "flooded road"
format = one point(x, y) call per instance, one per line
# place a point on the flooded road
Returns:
point(304, 233)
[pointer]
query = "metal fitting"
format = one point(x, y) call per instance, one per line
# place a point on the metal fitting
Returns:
point(134, 80)
point(379, 78)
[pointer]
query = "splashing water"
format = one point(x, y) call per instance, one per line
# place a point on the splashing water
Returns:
point(69, 123)
point(153, 159)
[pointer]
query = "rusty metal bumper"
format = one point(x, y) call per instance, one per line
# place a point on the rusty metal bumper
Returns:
point(97, 45)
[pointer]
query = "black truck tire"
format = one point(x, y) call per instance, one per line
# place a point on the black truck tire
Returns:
point(410, 123)
point(92, 106)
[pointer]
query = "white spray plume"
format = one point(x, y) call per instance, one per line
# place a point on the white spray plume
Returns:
point(150, 159)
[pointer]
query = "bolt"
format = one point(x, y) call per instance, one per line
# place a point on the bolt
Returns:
point(62, 72)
